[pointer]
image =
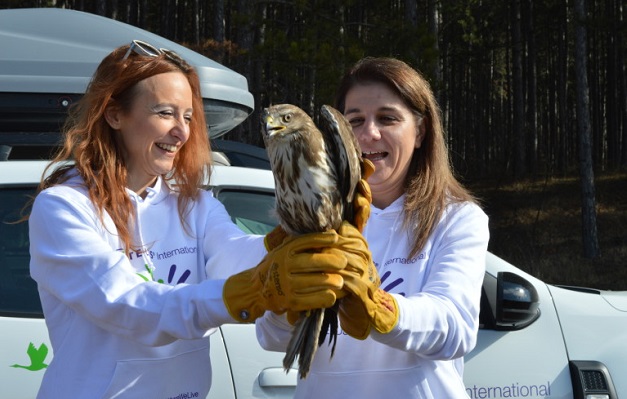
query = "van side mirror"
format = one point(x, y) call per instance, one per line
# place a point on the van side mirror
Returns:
point(517, 302)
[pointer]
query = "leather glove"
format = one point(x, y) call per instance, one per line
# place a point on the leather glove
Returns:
point(297, 275)
point(341, 247)
point(271, 241)
point(363, 196)
point(275, 238)
point(367, 305)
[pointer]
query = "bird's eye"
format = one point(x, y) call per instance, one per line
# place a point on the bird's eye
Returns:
point(287, 118)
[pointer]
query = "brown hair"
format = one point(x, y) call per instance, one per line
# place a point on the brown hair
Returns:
point(90, 144)
point(430, 183)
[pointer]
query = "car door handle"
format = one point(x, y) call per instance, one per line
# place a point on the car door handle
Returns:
point(277, 377)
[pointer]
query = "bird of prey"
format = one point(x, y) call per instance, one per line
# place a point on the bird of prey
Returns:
point(316, 171)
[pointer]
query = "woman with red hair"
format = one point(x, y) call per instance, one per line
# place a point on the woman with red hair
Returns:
point(124, 319)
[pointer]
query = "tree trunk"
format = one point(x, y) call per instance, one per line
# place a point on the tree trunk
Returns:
point(411, 12)
point(218, 29)
point(196, 22)
point(612, 89)
point(531, 119)
point(518, 94)
point(101, 8)
point(562, 95)
point(166, 18)
point(434, 20)
point(588, 201)
point(143, 14)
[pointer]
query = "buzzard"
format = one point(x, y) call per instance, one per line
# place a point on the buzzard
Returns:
point(316, 171)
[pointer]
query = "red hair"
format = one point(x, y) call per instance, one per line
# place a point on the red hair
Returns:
point(89, 141)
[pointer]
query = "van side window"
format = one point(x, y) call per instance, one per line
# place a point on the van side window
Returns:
point(18, 291)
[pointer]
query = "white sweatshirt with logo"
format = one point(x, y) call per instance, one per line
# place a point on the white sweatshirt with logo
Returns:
point(438, 293)
point(138, 327)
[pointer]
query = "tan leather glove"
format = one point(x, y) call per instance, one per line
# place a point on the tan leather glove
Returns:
point(275, 238)
point(363, 196)
point(367, 306)
point(272, 240)
point(297, 275)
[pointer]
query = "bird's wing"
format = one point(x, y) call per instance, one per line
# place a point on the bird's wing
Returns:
point(344, 149)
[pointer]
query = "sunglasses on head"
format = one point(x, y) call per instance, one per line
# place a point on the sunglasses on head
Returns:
point(148, 50)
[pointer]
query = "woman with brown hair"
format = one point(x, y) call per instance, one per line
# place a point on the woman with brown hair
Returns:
point(135, 265)
point(411, 318)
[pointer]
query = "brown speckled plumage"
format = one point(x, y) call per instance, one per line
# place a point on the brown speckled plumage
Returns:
point(316, 171)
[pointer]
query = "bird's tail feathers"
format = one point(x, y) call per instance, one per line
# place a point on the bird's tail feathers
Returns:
point(304, 342)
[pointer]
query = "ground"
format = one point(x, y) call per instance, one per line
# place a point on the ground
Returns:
point(537, 227)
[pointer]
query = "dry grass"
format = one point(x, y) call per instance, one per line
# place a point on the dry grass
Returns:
point(537, 227)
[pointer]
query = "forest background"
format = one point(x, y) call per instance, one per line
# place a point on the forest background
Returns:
point(533, 97)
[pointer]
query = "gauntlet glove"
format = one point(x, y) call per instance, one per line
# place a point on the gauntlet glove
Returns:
point(296, 275)
point(363, 197)
point(367, 306)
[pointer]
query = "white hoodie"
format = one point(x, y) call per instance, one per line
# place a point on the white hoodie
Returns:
point(438, 293)
point(113, 333)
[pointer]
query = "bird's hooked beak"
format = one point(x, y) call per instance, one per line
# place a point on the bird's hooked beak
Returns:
point(269, 124)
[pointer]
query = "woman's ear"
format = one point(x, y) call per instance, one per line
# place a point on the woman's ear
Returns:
point(113, 116)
